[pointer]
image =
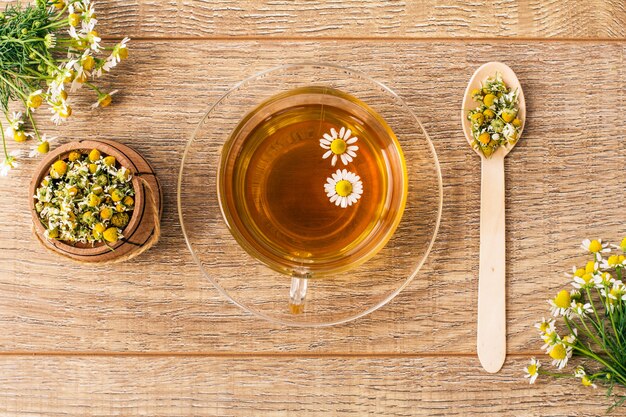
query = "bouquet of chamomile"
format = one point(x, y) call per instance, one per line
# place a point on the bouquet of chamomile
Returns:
point(48, 50)
point(589, 321)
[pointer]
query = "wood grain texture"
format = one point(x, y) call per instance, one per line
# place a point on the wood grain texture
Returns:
point(168, 387)
point(581, 19)
point(564, 182)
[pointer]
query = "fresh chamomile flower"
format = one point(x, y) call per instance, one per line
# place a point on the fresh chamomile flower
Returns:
point(81, 75)
point(596, 247)
point(613, 261)
point(546, 326)
point(339, 145)
point(586, 280)
point(16, 120)
point(581, 309)
point(120, 52)
point(532, 371)
point(560, 353)
point(10, 162)
point(550, 338)
point(104, 99)
point(561, 304)
point(93, 40)
point(34, 99)
point(60, 112)
point(603, 280)
point(344, 188)
point(614, 295)
point(50, 40)
point(579, 372)
point(42, 147)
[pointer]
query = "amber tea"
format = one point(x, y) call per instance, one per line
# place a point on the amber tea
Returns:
point(312, 182)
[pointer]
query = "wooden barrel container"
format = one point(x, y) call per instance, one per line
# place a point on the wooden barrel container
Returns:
point(142, 230)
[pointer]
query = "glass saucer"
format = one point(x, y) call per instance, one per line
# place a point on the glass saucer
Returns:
point(264, 292)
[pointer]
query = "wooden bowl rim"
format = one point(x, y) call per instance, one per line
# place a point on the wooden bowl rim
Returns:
point(108, 148)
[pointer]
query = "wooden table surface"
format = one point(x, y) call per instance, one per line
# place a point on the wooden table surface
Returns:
point(152, 337)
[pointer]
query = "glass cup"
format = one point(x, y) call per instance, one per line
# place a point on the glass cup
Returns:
point(248, 241)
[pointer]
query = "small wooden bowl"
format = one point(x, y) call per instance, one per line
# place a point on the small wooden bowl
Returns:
point(143, 227)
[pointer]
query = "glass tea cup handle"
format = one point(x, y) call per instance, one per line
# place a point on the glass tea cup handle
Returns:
point(297, 292)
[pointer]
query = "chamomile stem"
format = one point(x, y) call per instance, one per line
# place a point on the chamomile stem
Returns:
point(4, 142)
point(32, 122)
point(600, 360)
point(590, 335)
point(595, 311)
point(10, 84)
point(613, 325)
point(94, 88)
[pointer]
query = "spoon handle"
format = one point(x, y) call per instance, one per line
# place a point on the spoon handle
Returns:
point(491, 337)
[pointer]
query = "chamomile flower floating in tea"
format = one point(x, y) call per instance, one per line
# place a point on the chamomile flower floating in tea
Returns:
point(494, 122)
point(344, 188)
point(86, 198)
point(339, 145)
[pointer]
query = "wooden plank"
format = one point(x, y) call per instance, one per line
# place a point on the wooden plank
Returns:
point(564, 182)
point(363, 18)
point(204, 386)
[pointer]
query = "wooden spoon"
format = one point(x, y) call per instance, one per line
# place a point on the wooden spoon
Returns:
point(491, 334)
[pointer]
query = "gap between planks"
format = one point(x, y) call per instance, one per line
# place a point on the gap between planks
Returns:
point(369, 39)
point(244, 355)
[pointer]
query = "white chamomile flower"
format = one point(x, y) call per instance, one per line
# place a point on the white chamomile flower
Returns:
point(603, 280)
point(613, 261)
point(344, 188)
point(587, 280)
point(42, 147)
point(103, 100)
point(339, 145)
point(94, 40)
point(73, 33)
point(546, 326)
point(561, 304)
point(584, 379)
point(16, 120)
point(560, 353)
point(50, 40)
point(614, 295)
point(596, 247)
point(60, 112)
point(9, 162)
point(581, 309)
point(532, 370)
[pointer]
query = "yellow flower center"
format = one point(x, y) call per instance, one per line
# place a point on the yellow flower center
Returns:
point(613, 259)
point(585, 380)
point(338, 146)
point(563, 299)
point(543, 327)
point(43, 147)
point(595, 246)
point(34, 101)
point(532, 369)
point(590, 267)
point(558, 352)
point(343, 188)
point(579, 272)
point(587, 277)
point(105, 100)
